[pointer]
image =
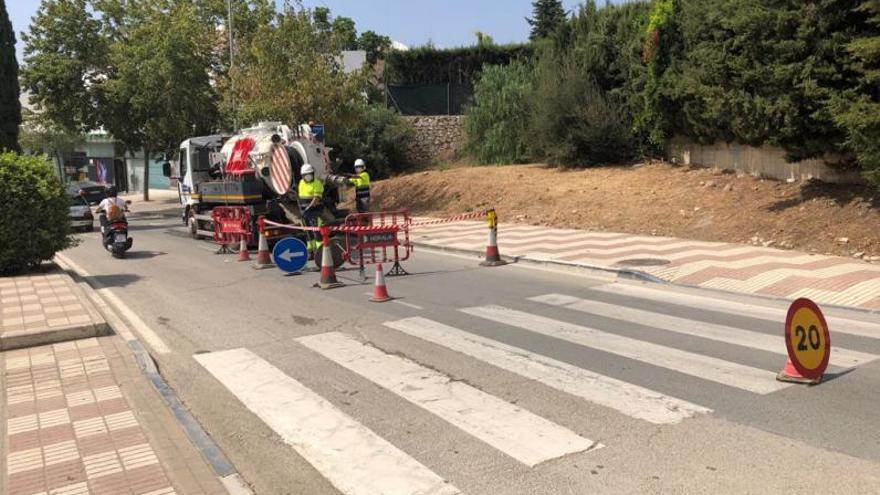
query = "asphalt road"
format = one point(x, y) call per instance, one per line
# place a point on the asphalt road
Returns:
point(508, 380)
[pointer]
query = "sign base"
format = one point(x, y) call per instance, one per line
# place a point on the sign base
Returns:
point(790, 374)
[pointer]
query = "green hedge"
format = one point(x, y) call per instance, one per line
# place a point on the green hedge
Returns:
point(33, 221)
point(429, 65)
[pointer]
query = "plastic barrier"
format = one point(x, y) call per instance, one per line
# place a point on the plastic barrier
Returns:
point(231, 225)
point(375, 238)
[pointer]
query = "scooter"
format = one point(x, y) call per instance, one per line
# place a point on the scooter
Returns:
point(115, 237)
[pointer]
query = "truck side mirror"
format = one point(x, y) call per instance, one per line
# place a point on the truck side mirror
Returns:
point(166, 169)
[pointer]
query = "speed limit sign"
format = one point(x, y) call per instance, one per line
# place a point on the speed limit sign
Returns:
point(807, 339)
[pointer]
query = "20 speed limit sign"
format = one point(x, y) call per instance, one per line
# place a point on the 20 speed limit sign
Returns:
point(807, 338)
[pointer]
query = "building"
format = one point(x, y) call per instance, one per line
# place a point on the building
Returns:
point(98, 157)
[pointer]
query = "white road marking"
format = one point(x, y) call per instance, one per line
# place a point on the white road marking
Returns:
point(720, 333)
point(520, 434)
point(404, 303)
point(706, 367)
point(627, 398)
point(352, 457)
point(142, 329)
point(836, 324)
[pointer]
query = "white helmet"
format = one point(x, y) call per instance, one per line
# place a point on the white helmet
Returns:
point(307, 170)
point(359, 163)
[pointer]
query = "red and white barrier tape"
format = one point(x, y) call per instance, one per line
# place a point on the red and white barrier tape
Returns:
point(377, 228)
point(456, 218)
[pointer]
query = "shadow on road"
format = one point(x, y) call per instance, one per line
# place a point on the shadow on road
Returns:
point(144, 255)
point(120, 280)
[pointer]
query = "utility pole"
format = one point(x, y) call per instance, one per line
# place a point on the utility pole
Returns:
point(231, 59)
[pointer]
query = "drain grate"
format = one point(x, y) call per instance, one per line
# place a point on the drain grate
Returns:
point(643, 262)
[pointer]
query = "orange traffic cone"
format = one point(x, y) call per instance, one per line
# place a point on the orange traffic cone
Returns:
point(380, 291)
point(790, 374)
point(264, 259)
point(493, 257)
point(328, 271)
point(243, 254)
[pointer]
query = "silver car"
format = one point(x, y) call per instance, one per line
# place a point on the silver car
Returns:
point(80, 214)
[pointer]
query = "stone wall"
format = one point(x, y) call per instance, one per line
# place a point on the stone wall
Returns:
point(765, 161)
point(435, 138)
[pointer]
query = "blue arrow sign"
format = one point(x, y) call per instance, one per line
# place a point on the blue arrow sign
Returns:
point(290, 255)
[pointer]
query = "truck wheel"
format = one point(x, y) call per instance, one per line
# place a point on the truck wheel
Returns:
point(338, 251)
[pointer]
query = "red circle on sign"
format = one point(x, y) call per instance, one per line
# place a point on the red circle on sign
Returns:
point(815, 373)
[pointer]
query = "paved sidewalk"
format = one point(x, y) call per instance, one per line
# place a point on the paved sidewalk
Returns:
point(44, 308)
point(79, 418)
point(732, 267)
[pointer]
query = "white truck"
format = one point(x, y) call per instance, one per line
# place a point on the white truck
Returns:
point(262, 179)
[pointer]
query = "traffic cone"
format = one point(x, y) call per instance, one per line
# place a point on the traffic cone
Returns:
point(264, 259)
point(328, 271)
point(790, 374)
point(243, 254)
point(493, 258)
point(380, 291)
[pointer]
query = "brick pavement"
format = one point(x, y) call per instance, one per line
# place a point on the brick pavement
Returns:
point(45, 308)
point(732, 267)
point(79, 418)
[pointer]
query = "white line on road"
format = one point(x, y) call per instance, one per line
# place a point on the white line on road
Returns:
point(720, 333)
point(520, 434)
point(777, 315)
point(706, 367)
point(627, 398)
point(408, 305)
point(352, 457)
point(142, 329)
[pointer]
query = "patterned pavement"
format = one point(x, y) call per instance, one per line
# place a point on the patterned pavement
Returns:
point(43, 309)
point(732, 267)
point(70, 427)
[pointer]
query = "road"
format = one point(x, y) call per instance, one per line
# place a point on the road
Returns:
point(508, 380)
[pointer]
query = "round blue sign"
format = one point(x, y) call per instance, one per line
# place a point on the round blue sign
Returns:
point(290, 255)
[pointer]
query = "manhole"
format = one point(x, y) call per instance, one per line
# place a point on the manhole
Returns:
point(643, 262)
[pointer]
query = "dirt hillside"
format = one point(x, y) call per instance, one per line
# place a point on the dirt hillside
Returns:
point(653, 199)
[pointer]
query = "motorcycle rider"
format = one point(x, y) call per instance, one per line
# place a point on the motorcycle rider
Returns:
point(111, 209)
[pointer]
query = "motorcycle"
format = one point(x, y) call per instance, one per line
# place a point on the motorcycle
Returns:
point(115, 236)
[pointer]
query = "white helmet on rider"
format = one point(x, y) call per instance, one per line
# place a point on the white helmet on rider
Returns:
point(359, 164)
point(307, 170)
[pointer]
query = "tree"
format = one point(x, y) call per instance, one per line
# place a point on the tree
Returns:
point(66, 62)
point(160, 91)
point(858, 111)
point(496, 122)
point(483, 39)
point(374, 44)
point(10, 106)
point(345, 33)
point(547, 17)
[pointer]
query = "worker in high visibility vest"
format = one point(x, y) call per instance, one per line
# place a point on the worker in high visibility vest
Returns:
point(314, 214)
point(361, 182)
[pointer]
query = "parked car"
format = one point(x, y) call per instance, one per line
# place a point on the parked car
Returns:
point(80, 214)
point(92, 191)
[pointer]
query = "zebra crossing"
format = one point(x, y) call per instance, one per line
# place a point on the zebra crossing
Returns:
point(359, 461)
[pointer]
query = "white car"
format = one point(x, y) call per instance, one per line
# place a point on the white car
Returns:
point(80, 214)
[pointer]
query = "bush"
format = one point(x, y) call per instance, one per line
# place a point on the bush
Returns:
point(496, 123)
point(573, 121)
point(33, 222)
point(380, 138)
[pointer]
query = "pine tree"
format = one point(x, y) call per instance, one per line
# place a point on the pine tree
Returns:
point(548, 17)
point(10, 107)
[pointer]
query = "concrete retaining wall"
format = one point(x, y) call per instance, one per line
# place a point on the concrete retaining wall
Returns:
point(766, 161)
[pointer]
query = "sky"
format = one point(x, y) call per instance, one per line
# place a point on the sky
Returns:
point(446, 23)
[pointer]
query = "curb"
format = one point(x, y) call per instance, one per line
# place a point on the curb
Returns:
point(225, 471)
point(18, 339)
point(639, 276)
point(624, 273)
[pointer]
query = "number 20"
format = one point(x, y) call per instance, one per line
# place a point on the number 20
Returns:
point(813, 337)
